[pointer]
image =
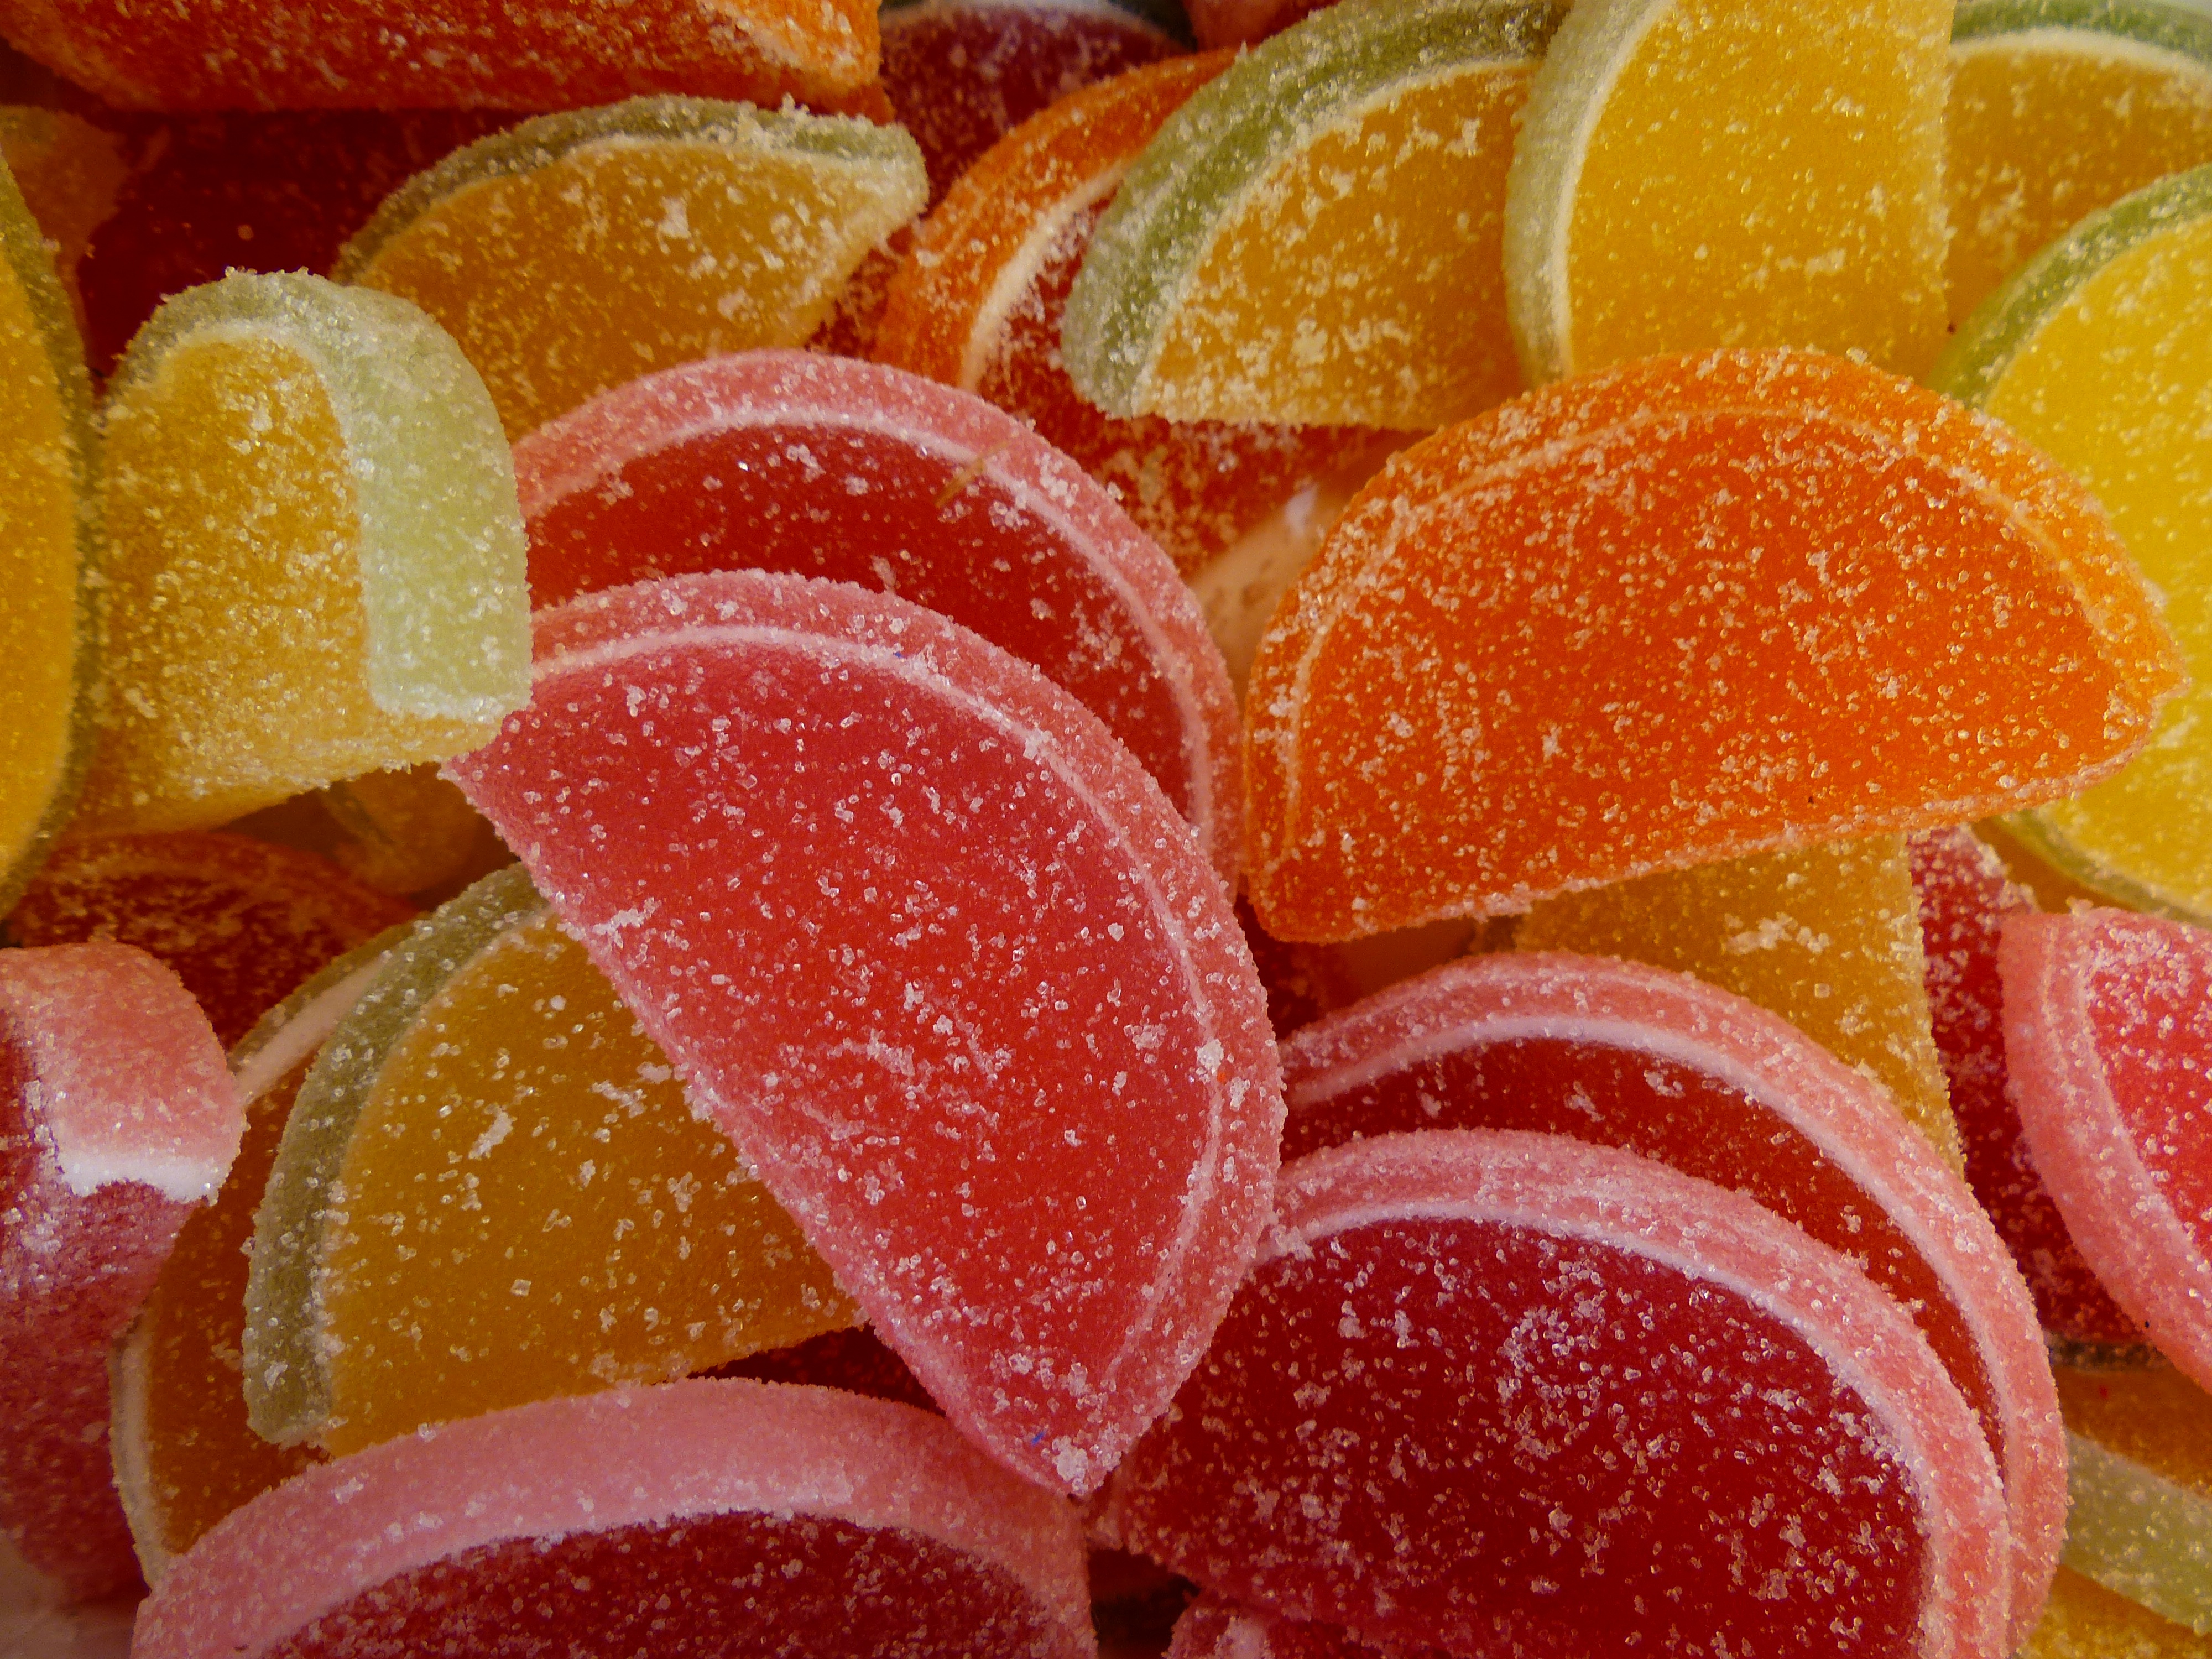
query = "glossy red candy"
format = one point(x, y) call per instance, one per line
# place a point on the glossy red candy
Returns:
point(1511, 1394)
point(939, 956)
point(823, 466)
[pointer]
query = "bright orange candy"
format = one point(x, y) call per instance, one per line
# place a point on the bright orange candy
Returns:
point(1684, 610)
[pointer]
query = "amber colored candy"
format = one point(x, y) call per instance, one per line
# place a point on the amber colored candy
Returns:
point(243, 925)
point(2059, 109)
point(2084, 1621)
point(1675, 701)
point(2140, 1443)
point(1828, 937)
point(505, 54)
point(580, 251)
point(408, 832)
point(72, 175)
point(530, 1208)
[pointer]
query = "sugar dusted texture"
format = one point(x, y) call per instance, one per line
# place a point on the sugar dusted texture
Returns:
point(1828, 937)
point(1590, 677)
point(314, 566)
point(533, 54)
point(2108, 1045)
point(1965, 896)
point(2096, 354)
point(822, 467)
point(1316, 236)
point(1700, 174)
point(116, 1116)
point(578, 252)
point(1618, 1055)
point(1508, 1394)
point(980, 303)
point(939, 955)
point(961, 74)
point(243, 924)
point(1214, 1629)
point(701, 1516)
point(2140, 1443)
point(2085, 1620)
point(2058, 108)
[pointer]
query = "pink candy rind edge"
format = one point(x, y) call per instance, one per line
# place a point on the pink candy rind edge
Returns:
point(594, 1463)
point(590, 444)
point(1847, 1118)
point(1550, 1184)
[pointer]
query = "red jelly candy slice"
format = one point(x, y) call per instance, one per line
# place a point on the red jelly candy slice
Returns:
point(1665, 1065)
point(2108, 1042)
point(749, 1518)
point(117, 1116)
point(244, 924)
point(1505, 1393)
point(936, 952)
point(1214, 1629)
point(822, 466)
point(1965, 897)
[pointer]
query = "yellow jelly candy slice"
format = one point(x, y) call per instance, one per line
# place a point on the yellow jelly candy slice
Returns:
point(1315, 236)
point(1731, 172)
point(1828, 937)
point(493, 1190)
point(2098, 353)
point(2139, 1451)
point(579, 252)
point(2084, 1621)
point(46, 548)
point(316, 563)
point(2059, 109)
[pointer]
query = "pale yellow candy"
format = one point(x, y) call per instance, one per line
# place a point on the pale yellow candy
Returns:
point(2084, 1621)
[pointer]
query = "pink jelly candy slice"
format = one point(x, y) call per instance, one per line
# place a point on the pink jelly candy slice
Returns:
point(2108, 1042)
point(726, 1517)
point(823, 466)
point(939, 955)
point(1965, 897)
point(117, 1116)
point(1511, 1393)
point(1669, 1068)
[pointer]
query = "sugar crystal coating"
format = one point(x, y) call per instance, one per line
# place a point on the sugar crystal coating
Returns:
point(2141, 1488)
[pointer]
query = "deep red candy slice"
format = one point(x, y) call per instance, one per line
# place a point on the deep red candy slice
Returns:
point(117, 1116)
point(1965, 897)
point(936, 952)
point(737, 1518)
point(1511, 1394)
point(1620, 1054)
point(824, 466)
point(1211, 1628)
point(2108, 1043)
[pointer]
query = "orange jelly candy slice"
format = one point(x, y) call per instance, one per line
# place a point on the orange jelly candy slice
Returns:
point(1686, 610)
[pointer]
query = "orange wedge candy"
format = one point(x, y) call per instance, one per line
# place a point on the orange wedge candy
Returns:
point(1684, 609)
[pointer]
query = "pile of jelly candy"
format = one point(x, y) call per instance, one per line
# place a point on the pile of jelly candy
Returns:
point(1047, 828)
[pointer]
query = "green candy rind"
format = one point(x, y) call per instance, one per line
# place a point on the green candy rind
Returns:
point(2172, 28)
point(24, 248)
point(296, 1027)
point(287, 1379)
point(443, 553)
point(1234, 131)
point(2138, 1533)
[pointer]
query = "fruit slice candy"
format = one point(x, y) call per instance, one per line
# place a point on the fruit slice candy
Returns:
point(1965, 896)
point(2097, 354)
point(823, 467)
point(1219, 23)
point(1508, 1393)
point(2059, 109)
point(529, 1207)
point(1214, 1629)
point(979, 306)
point(242, 923)
point(315, 565)
point(533, 54)
point(403, 831)
point(701, 1516)
point(116, 1117)
point(2142, 1485)
point(2085, 1620)
point(2108, 1042)
point(963, 74)
point(1675, 700)
point(936, 952)
point(1316, 236)
point(1828, 937)
point(1709, 173)
point(1619, 1054)
point(580, 251)
point(46, 483)
point(71, 173)
point(185, 1456)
